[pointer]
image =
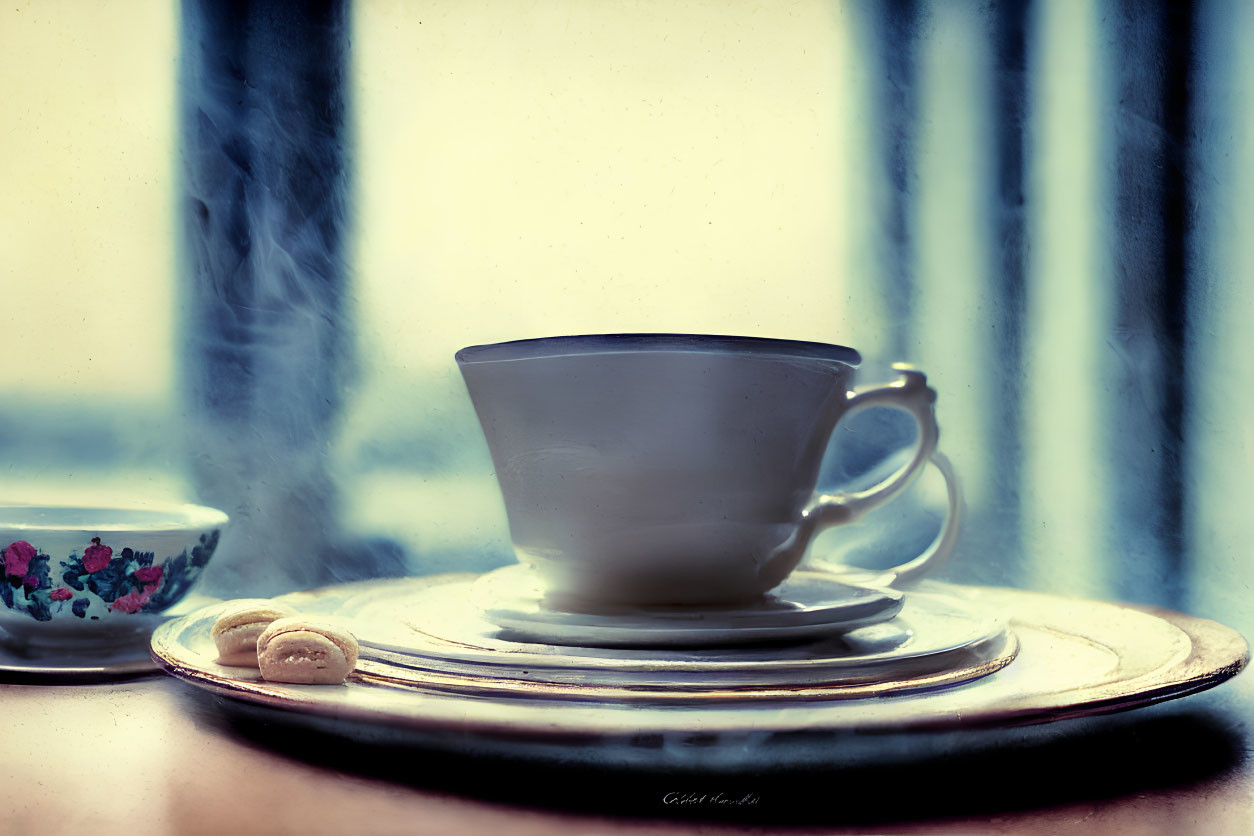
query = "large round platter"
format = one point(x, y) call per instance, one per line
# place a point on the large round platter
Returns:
point(1076, 658)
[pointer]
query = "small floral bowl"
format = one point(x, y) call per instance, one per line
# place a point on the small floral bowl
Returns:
point(97, 575)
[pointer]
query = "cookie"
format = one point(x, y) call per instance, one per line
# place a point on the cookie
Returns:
point(306, 651)
point(237, 629)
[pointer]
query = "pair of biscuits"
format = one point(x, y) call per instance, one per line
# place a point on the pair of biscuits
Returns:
point(284, 645)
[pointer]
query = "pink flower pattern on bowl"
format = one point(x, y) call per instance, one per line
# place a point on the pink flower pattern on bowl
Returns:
point(17, 558)
point(96, 556)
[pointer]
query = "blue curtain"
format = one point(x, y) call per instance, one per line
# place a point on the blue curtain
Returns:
point(1092, 369)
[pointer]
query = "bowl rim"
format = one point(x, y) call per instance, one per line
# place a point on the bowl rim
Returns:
point(163, 518)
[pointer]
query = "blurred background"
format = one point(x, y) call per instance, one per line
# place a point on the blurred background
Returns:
point(240, 243)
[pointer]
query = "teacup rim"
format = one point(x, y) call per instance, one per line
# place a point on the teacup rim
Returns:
point(585, 344)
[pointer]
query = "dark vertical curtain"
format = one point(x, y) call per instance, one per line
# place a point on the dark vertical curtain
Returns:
point(265, 202)
point(1153, 60)
point(895, 90)
point(1007, 289)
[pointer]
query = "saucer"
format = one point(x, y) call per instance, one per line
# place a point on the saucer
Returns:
point(115, 663)
point(808, 605)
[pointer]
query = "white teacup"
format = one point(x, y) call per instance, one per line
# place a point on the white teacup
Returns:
point(672, 469)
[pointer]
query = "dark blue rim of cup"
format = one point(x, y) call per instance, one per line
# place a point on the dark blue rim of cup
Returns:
point(614, 343)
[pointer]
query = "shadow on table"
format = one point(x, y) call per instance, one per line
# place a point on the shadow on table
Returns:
point(893, 778)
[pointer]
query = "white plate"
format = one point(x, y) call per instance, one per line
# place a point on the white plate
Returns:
point(432, 630)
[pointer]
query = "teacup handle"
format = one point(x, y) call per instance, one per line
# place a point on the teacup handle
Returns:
point(909, 392)
point(933, 556)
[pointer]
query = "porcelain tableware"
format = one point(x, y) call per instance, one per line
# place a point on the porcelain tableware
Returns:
point(806, 605)
point(81, 577)
point(677, 469)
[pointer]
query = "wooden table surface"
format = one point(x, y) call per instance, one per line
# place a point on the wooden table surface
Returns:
point(155, 755)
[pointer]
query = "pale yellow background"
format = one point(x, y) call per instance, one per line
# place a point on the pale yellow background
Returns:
point(596, 166)
point(522, 170)
point(571, 166)
point(87, 198)
point(587, 167)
